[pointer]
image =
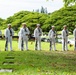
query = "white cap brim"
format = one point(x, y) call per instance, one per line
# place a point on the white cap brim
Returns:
point(23, 23)
point(9, 24)
point(38, 24)
point(64, 26)
point(53, 26)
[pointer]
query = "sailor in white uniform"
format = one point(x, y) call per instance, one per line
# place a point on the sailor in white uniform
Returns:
point(65, 38)
point(9, 33)
point(23, 36)
point(52, 35)
point(74, 33)
point(19, 40)
point(37, 35)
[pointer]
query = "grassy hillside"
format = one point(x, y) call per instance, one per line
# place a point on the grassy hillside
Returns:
point(39, 63)
point(33, 62)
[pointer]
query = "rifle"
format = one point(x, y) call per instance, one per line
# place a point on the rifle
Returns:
point(75, 39)
point(36, 45)
point(50, 44)
point(6, 43)
point(64, 44)
point(22, 44)
point(75, 44)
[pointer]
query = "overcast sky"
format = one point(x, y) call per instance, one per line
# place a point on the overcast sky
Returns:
point(9, 7)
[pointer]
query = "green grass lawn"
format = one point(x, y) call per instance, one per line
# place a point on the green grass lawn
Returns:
point(43, 62)
point(44, 45)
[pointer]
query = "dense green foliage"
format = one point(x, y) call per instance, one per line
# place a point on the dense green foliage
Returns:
point(31, 19)
point(69, 2)
point(64, 16)
point(1, 23)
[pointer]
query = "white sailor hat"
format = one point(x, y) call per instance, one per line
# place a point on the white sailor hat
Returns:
point(64, 26)
point(23, 23)
point(38, 24)
point(53, 26)
point(9, 24)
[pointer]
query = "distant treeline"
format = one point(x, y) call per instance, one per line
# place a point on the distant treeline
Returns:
point(64, 16)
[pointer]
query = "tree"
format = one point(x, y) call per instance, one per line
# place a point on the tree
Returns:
point(64, 16)
point(1, 23)
point(59, 18)
point(30, 18)
point(43, 10)
point(68, 2)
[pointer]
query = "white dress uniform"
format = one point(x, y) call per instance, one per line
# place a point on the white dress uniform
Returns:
point(8, 37)
point(37, 35)
point(64, 39)
point(19, 40)
point(52, 35)
point(23, 37)
point(74, 33)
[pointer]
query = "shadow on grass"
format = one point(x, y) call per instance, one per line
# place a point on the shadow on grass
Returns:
point(42, 61)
